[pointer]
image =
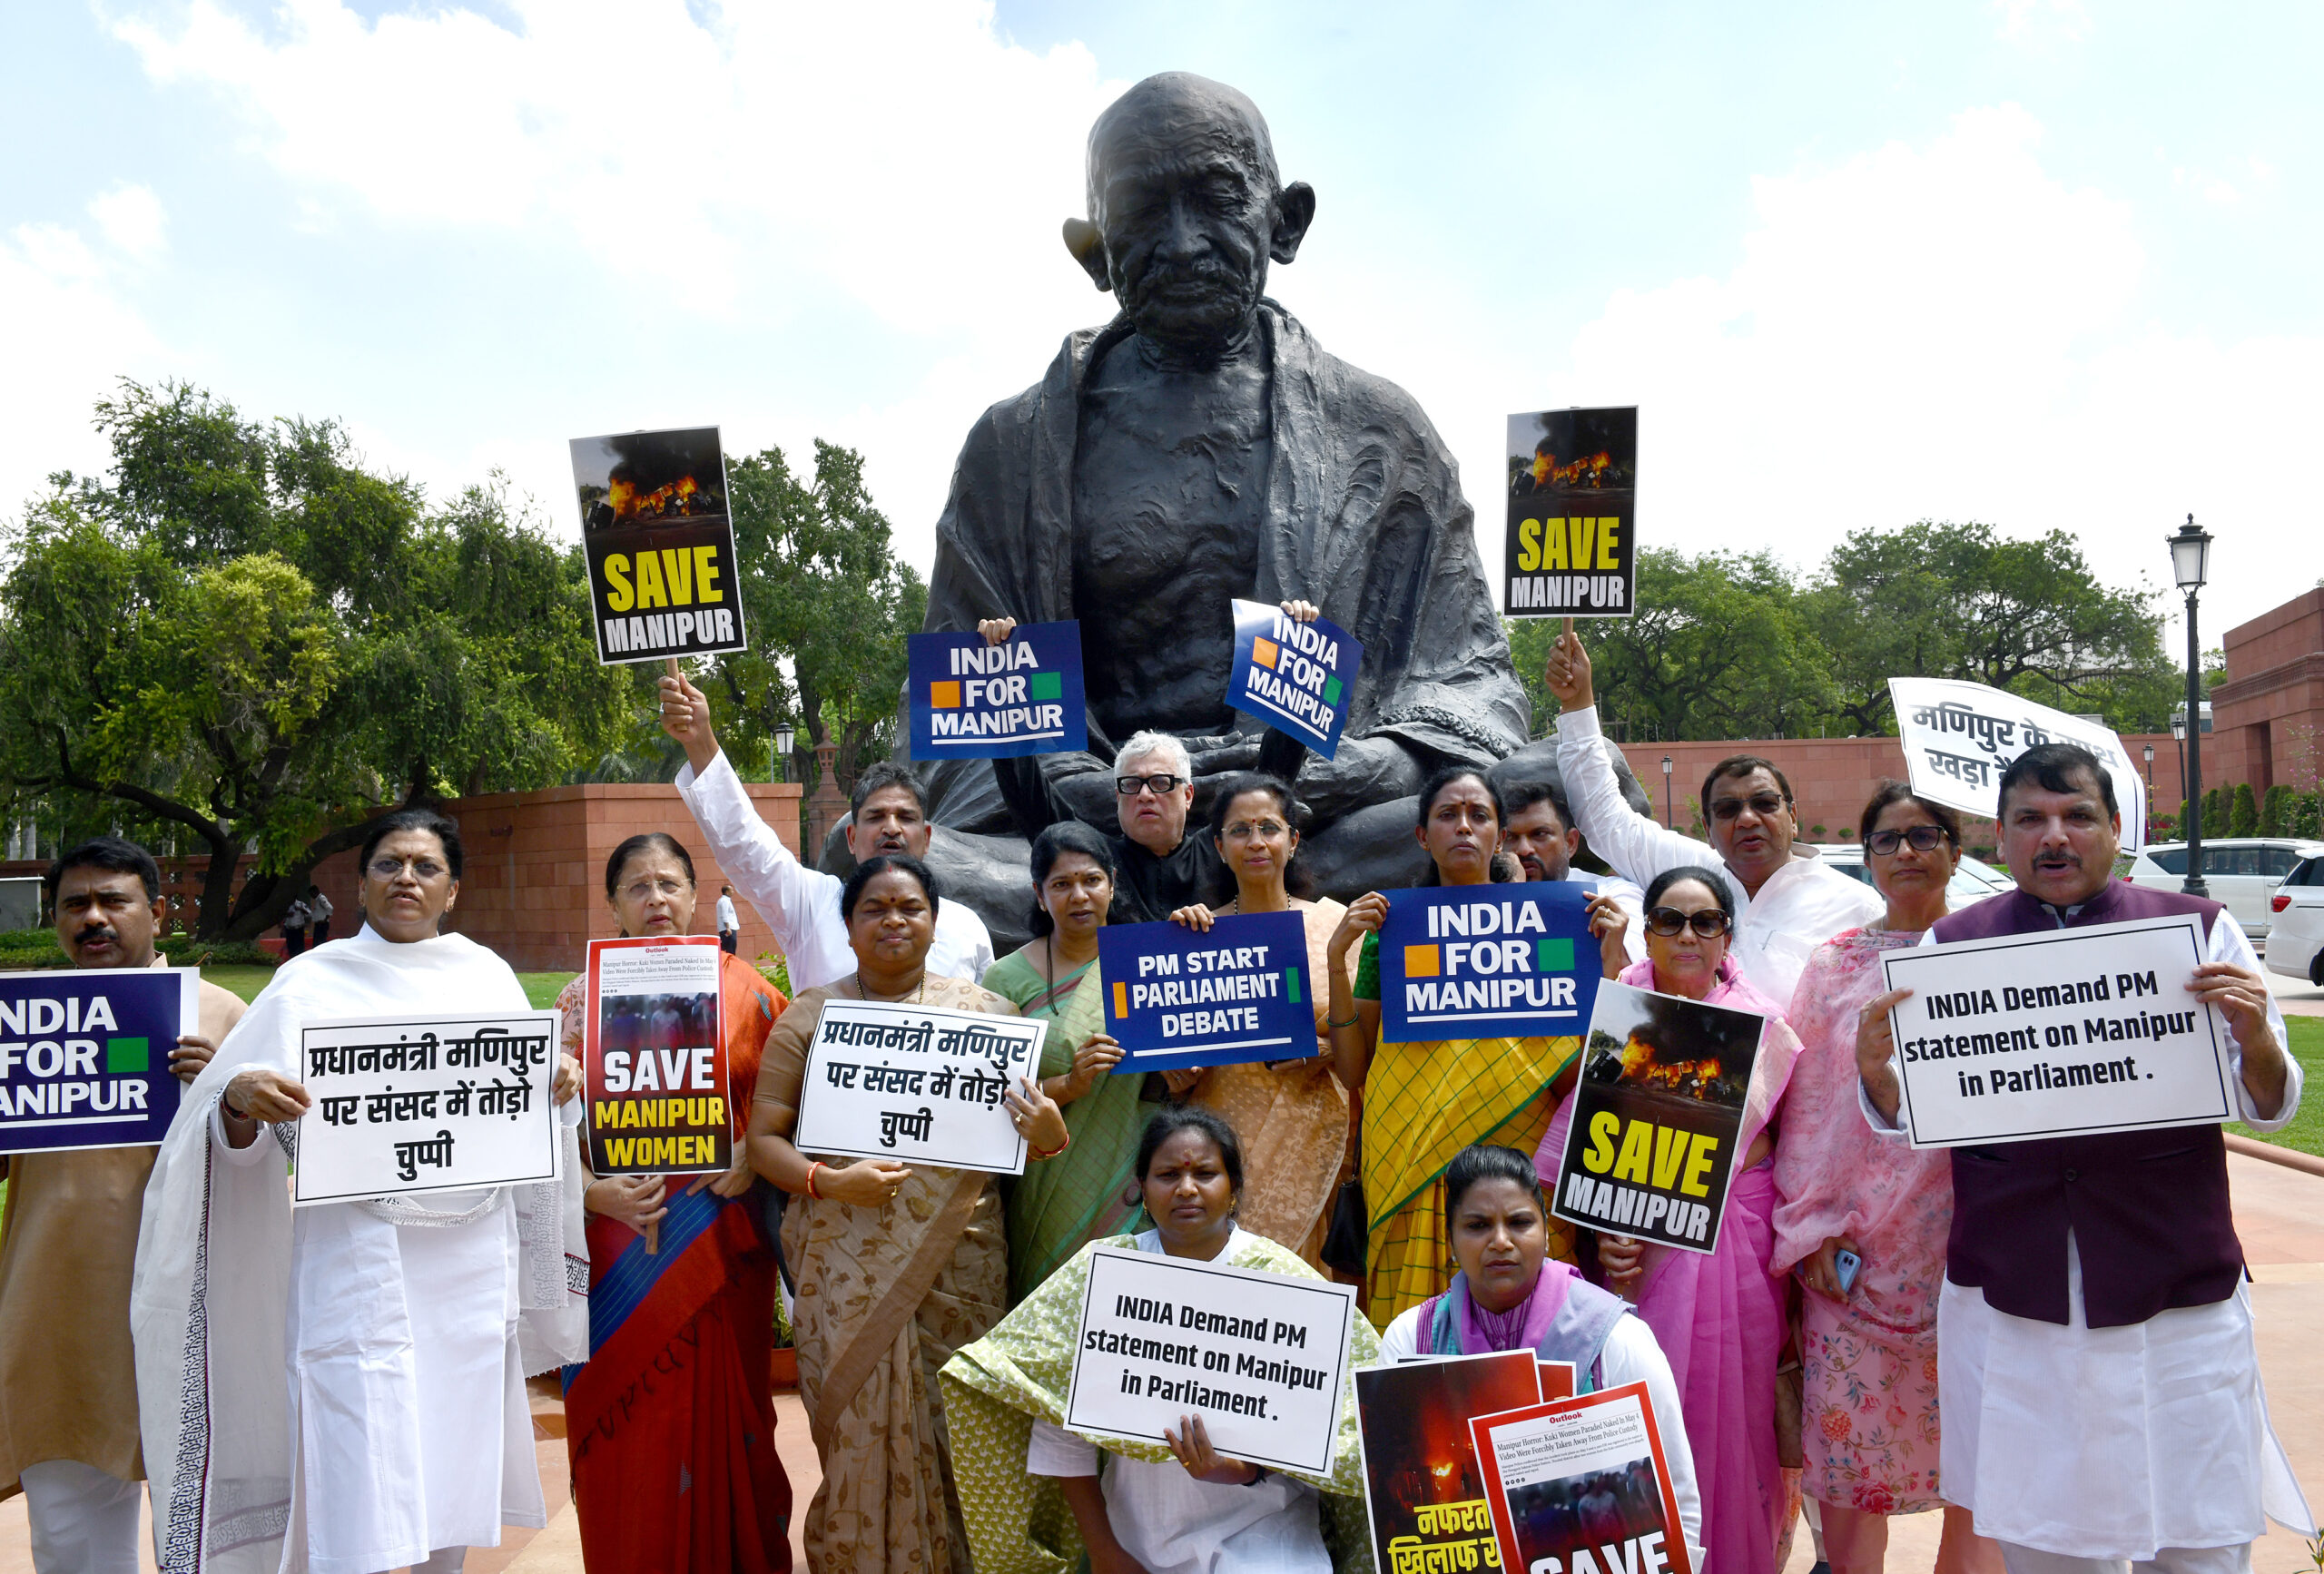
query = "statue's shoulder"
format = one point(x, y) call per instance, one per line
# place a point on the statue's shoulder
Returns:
point(1007, 423)
point(1356, 396)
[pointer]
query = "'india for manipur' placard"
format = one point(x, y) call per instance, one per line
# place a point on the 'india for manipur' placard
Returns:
point(1261, 1357)
point(2064, 1033)
point(84, 1055)
point(1959, 737)
point(660, 544)
point(654, 1058)
point(1487, 961)
point(916, 1083)
point(1571, 549)
point(972, 701)
point(1236, 993)
point(1294, 676)
point(424, 1103)
point(1657, 1114)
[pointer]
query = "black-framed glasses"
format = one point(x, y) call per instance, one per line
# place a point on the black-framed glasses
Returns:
point(1924, 838)
point(1763, 804)
point(1161, 784)
point(1709, 923)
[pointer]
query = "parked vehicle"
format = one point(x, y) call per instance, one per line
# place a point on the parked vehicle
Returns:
point(2242, 872)
point(1974, 879)
point(2296, 940)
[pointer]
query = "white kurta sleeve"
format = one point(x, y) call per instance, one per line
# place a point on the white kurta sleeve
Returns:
point(1631, 899)
point(1631, 1354)
point(963, 947)
point(800, 904)
point(1402, 1342)
point(264, 1146)
point(2229, 944)
point(1055, 1452)
point(1632, 842)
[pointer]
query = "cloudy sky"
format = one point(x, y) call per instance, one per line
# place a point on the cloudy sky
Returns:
point(2037, 262)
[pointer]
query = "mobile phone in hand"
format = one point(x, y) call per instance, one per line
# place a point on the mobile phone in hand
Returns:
point(1845, 1265)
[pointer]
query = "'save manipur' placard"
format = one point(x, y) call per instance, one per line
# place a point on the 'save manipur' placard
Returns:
point(1261, 1357)
point(84, 1055)
point(916, 1083)
point(1572, 547)
point(968, 700)
point(1487, 961)
point(1237, 992)
point(659, 542)
point(1294, 676)
point(424, 1103)
point(654, 1058)
point(2062, 1033)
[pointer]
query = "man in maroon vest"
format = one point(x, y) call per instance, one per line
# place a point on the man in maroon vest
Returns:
point(2095, 1366)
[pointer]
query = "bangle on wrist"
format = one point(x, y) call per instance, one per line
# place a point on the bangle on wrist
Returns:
point(1052, 1153)
point(811, 1169)
point(1330, 1021)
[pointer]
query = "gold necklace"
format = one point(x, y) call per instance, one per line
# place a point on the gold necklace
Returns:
point(919, 996)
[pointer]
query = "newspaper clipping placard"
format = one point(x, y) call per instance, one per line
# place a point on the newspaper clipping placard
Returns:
point(654, 1058)
point(1959, 737)
point(1657, 1115)
point(424, 1103)
point(84, 1055)
point(2062, 1033)
point(916, 1083)
point(1582, 1485)
point(1261, 1357)
point(1571, 548)
point(1422, 1485)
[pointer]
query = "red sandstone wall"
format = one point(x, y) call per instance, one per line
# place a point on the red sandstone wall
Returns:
point(2268, 718)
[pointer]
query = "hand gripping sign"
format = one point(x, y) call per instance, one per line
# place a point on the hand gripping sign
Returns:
point(1294, 676)
point(968, 699)
point(1487, 961)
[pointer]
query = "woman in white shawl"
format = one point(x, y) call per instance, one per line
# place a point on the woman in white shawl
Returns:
point(341, 1391)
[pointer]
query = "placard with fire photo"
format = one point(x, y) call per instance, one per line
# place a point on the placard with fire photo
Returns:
point(1657, 1113)
point(1422, 1485)
point(1571, 549)
point(662, 574)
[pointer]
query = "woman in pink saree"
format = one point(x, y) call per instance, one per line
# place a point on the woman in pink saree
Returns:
point(1719, 1318)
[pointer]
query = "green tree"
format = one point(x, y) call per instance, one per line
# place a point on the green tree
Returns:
point(2243, 818)
point(241, 636)
point(2215, 804)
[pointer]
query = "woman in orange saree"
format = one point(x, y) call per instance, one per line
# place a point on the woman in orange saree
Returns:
point(670, 1423)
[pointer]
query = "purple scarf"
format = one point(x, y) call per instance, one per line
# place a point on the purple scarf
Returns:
point(1524, 1325)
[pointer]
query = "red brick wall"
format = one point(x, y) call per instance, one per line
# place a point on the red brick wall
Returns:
point(2268, 717)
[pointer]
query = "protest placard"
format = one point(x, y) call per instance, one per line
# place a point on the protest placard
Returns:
point(1582, 1486)
point(1422, 1485)
point(1294, 676)
point(663, 580)
point(2066, 1032)
point(654, 1058)
point(1959, 737)
point(424, 1103)
point(1180, 997)
point(1260, 1357)
point(1657, 1114)
point(1499, 961)
point(931, 1095)
point(84, 1055)
point(1571, 550)
point(968, 700)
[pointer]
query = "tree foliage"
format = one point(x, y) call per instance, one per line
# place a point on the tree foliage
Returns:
point(241, 636)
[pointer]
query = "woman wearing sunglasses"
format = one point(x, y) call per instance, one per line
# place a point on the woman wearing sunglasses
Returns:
point(1718, 1318)
point(1867, 1340)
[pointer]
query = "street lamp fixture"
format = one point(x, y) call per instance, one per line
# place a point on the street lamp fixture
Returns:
point(779, 768)
point(2191, 555)
point(1666, 793)
point(2150, 792)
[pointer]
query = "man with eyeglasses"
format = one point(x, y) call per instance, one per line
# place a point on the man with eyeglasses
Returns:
point(1540, 837)
point(1789, 900)
point(1159, 867)
point(801, 905)
point(2095, 1365)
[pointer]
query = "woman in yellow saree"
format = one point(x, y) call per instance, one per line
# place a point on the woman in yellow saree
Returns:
point(898, 1266)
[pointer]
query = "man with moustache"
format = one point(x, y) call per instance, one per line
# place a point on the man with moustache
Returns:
point(1788, 900)
point(800, 904)
point(2095, 1362)
point(1540, 837)
point(68, 1375)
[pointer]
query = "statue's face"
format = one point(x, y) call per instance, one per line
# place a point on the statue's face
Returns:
point(1188, 214)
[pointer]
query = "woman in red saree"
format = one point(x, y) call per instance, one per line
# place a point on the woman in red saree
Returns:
point(670, 1423)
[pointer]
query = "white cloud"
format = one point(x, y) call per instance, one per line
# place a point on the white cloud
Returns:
point(131, 217)
point(2041, 21)
point(68, 335)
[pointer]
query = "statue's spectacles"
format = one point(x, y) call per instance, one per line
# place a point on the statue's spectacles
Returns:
point(1709, 923)
point(1161, 785)
point(1924, 838)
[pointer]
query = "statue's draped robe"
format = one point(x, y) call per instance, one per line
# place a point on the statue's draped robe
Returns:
point(1363, 516)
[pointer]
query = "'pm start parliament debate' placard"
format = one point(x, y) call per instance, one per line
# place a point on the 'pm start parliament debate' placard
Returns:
point(1236, 993)
point(968, 700)
point(84, 1055)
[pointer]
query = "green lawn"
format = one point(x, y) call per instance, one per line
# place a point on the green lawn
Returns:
point(2305, 1131)
point(540, 987)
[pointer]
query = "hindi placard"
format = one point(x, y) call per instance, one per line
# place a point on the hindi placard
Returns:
point(916, 1083)
point(1657, 1113)
point(1959, 737)
point(654, 1058)
point(1294, 677)
point(1261, 1357)
point(1581, 1483)
point(1238, 992)
point(405, 1104)
point(2062, 1033)
point(84, 1055)
point(1488, 961)
point(968, 700)
point(1571, 549)
point(1422, 1485)
point(664, 579)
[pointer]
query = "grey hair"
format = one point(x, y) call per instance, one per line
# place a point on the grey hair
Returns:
point(1161, 743)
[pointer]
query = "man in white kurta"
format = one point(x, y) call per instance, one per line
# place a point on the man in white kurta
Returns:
point(338, 1391)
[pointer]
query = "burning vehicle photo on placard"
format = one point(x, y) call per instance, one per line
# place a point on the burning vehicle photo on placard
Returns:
point(659, 543)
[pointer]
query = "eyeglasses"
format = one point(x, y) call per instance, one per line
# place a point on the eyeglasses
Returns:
point(1924, 838)
point(422, 869)
point(1709, 923)
point(1265, 829)
point(1764, 805)
point(1161, 786)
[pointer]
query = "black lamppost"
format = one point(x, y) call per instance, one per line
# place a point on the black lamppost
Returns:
point(2149, 827)
point(1666, 794)
point(779, 768)
point(2191, 551)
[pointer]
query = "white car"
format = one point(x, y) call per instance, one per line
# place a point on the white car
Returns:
point(2242, 872)
point(1974, 879)
point(2296, 940)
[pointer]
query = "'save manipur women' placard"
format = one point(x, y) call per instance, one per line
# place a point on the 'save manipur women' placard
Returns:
point(654, 1058)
